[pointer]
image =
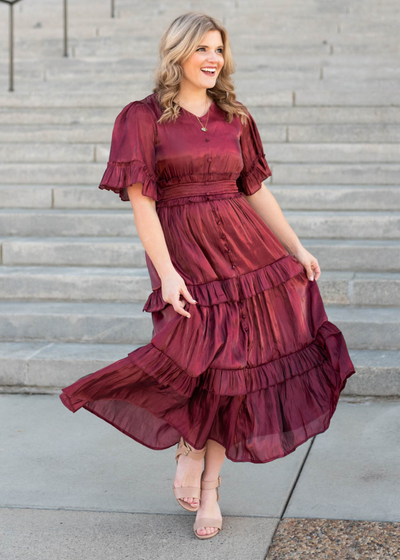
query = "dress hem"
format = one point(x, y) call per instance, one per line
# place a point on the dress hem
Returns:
point(228, 456)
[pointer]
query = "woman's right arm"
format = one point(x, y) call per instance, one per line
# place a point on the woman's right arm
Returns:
point(152, 237)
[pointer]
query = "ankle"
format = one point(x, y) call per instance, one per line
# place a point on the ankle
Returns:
point(207, 478)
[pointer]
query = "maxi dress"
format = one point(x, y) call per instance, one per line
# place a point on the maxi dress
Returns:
point(257, 367)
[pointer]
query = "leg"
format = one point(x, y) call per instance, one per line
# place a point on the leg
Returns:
point(209, 507)
point(188, 473)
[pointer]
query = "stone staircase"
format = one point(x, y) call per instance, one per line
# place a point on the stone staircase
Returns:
point(322, 81)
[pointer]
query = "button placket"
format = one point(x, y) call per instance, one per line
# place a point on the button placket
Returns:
point(209, 161)
point(243, 314)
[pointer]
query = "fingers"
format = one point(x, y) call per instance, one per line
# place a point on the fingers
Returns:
point(313, 270)
point(179, 305)
point(188, 296)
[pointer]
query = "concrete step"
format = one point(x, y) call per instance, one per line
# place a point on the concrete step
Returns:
point(316, 96)
point(358, 255)
point(79, 283)
point(52, 283)
point(276, 71)
point(46, 223)
point(335, 173)
point(289, 197)
point(282, 173)
point(40, 152)
point(282, 152)
point(263, 115)
point(114, 223)
point(330, 97)
point(75, 251)
point(332, 197)
point(333, 134)
point(329, 134)
point(44, 366)
point(245, 61)
point(322, 45)
point(365, 328)
point(246, 85)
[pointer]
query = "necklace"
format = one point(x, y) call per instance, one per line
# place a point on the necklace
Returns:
point(203, 127)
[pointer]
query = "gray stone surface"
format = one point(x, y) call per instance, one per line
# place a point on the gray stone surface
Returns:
point(44, 367)
point(322, 83)
point(352, 471)
point(86, 322)
point(59, 459)
point(371, 328)
point(378, 373)
point(74, 251)
point(29, 534)
point(120, 223)
point(58, 222)
point(83, 283)
point(75, 283)
point(72, 486)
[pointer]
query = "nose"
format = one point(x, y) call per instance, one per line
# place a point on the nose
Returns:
point(213, 61)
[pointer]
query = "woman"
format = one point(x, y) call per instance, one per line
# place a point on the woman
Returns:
point(243, 362)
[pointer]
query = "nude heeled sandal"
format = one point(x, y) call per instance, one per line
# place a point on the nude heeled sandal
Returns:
point(208, 521)
point(187, 491)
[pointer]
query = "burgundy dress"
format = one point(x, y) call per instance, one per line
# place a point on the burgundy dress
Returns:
point(257, 367)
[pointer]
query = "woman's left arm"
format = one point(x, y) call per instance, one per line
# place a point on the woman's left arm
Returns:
point(266, 206)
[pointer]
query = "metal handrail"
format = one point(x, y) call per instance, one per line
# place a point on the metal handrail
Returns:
point(11, 34)
point(11, 40)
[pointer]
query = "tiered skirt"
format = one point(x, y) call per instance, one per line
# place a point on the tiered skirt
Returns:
point(258, 367)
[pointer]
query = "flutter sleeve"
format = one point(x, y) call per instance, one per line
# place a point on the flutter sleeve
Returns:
point(255, 167)
point(132, 153)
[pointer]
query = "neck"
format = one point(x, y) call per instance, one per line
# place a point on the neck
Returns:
point(193, 97)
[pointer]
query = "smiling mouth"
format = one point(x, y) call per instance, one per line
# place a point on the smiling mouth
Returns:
point(208, 73)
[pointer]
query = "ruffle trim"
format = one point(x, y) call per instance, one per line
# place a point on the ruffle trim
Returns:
point(250, 181)
point(328, 345)
point(236, 288)
point(119, 175)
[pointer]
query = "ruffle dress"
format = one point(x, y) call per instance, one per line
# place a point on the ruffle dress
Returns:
point(257, 367)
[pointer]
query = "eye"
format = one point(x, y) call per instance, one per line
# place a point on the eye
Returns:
point(202, 48)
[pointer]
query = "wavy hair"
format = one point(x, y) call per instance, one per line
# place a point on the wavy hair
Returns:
point(179, 42)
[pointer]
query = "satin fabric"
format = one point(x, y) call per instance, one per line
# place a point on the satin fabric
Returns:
point(257, 367)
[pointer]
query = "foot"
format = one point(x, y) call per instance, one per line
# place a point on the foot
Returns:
point(209, 507)
point(188, 473)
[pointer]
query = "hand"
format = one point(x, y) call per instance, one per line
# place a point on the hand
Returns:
point(172, 286)
point(309, 262)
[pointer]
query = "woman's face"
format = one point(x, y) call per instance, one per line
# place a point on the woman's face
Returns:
point(209, 54)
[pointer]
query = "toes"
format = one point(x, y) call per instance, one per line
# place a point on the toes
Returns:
point(192, 501)
point(206, 530)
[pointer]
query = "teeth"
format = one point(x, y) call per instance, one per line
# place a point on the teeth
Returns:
point(208, 69)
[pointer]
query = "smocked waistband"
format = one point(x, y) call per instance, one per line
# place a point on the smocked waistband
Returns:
point(189, 191)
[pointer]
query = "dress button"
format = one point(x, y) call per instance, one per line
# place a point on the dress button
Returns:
point(207, 139)
point(218, 222)
point(223, 236)
point(233, 266)
point(209, 159)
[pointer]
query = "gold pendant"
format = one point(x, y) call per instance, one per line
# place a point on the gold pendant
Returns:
point(204, 129)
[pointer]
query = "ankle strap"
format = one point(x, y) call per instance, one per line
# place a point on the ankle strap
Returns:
point(209, 485)
point(185, 449)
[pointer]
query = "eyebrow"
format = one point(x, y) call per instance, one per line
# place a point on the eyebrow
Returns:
point(208, 46)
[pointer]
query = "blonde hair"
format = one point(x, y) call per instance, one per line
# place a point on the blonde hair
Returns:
point(178, 42)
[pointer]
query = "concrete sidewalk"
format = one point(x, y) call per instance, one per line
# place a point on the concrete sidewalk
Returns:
point(73, 487)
